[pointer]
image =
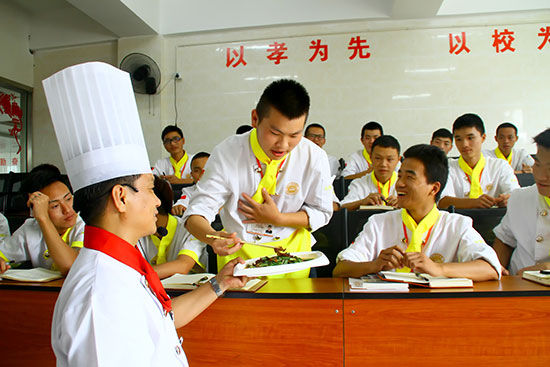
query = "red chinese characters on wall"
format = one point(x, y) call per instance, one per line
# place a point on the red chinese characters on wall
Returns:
point(544, 32)
point(235, 58)
point(359, 47)
point(276, 52)
point(457, 44)
point(318, 50)
point(502, 41)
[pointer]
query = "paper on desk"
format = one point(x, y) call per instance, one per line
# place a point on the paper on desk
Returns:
point(192, 281)
point(31, 275)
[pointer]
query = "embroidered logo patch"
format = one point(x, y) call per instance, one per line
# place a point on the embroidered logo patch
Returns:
point(489, 187)
point(292, 188)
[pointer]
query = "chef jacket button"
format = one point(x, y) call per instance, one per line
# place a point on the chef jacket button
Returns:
point(544, 213)
point(178, 350)
point(257, 237)
point(539, 239)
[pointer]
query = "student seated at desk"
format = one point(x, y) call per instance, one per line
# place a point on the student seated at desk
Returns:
point(171, 249)
point(52, 238)
point(4, 229)
point(523, 236)
point(419, 237)
point(506, 137)
point(443, 139)
point(176, 168)
point(197, 170)
point(377, 188)
point(476, 181)
point(360, 163)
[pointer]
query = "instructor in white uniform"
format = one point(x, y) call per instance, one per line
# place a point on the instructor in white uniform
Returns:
point(112, 309)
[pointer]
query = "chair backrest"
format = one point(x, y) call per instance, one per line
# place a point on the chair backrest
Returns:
point(357, 220)
point(212, 257)
point(331, 239)
point(338, 185)
point(484, 220)
point(525, 179)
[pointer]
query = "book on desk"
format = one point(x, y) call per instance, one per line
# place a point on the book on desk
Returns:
point(372, 283)
point(426, 280)
point(537, 276)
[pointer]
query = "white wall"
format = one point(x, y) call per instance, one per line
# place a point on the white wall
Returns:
point(412, 85)
point(45, 147)
point(15, 60)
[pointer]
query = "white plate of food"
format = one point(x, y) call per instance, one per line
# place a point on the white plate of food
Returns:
point(280, 264)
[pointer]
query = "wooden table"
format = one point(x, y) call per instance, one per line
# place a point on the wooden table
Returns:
point(318, 322)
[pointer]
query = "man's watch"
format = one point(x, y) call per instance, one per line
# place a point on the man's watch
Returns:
point(216, 286)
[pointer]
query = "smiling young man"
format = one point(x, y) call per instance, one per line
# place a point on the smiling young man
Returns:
point(506, 137)
point(271, 185)
point(52, 238)
point(523, 235)
point(176, 169)
point(476, 181)
point(112, 309)
point(419, 237)
point(360, 163)
point(378, 188)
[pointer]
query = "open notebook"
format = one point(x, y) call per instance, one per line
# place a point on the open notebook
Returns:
point(537, 276)
point(31, 275)
point(192, 281)
point(426, 280)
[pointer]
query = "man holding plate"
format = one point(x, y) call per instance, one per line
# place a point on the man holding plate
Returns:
point(272, 186)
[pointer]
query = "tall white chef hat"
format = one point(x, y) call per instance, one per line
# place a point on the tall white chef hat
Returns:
point(96, 121)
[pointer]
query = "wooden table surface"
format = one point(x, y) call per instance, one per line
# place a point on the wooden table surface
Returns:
point(318, 322)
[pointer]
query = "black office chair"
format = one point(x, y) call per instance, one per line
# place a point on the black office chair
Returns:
point(525, 179)
point(484, 220)
point(331, 239)
point(338, 185)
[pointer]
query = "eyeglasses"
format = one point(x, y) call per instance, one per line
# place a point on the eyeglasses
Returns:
point(315, 136)
point(175, 139)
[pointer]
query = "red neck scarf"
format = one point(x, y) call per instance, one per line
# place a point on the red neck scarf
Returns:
point(103, 241)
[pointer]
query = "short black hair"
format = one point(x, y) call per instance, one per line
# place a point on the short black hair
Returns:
point(198, 156)
point(386, 141)
point(469, 120)
point(169, 129)
point(543, 139)
point(317, 126)
point(164, 192)
point(243, 129)
point(504, 125)
point(41, 176)
point(442, 133)
point(372, 125)
point(91, 200)
point(287, 96)
point(436, 163)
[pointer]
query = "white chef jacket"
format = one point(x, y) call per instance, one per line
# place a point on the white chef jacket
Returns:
point(182, 243)
point(361, 187)
point(453, 239)
point(28, 243)
point(186, 195)
point(4, 230)
point(519, 158)
point(334, 165)
point(106, 315)
point(164, 167)
point(497, 178)
point(304, 183)
point(526, 228)
point(355, 163)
